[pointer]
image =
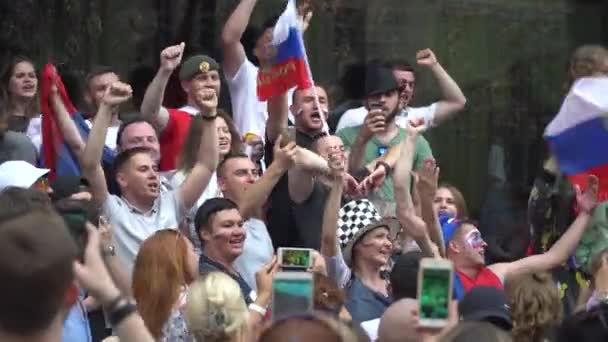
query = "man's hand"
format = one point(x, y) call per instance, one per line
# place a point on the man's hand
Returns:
point(92, 275)
point(318, 264)
point(206, 100)
point(337, 166)
point(426, 58)
point(375, 122)
point(428, 178)
point(285, 156)
point(304, 15)
point(351, 186)
point(263, 281)
point(116, 94)
point(373, 182)
point(171, 57)
point(586, 201)
point(105, 231)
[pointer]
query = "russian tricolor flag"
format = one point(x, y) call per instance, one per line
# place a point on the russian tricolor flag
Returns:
point(290, 68)
point(578, 135)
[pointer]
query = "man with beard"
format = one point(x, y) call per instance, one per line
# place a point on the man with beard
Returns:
point(369, 142)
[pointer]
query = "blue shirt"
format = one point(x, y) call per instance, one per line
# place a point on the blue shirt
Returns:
point(206, 265)
point(363, 303)
point(76, 326)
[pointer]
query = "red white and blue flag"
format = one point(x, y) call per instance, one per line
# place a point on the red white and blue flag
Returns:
point(290, 68)
point(578, 135)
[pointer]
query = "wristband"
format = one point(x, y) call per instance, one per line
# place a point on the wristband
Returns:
point(208, 115)
point(114, 303)
point(258, 309)
point(119, 314)
point(387, 167)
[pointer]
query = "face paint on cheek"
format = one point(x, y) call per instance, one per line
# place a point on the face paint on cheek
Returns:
point(474, 239)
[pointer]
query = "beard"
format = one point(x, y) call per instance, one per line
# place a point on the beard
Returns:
point(391, 116)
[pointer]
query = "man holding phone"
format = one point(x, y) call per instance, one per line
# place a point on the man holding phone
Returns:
point(380, 132)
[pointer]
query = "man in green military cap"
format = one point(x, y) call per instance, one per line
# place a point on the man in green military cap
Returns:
point(200, 79)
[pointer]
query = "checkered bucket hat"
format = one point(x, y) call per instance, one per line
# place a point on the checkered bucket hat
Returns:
point(357, 218)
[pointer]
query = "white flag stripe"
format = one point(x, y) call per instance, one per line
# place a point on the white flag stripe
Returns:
point(287, 19)
point(587, 100)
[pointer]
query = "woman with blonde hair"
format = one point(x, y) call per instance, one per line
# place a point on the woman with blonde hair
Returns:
point(216, 310)
point(536, 307)
point(165, 266)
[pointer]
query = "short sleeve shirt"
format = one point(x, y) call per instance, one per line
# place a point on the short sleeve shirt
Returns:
point(422, 152)
point(132, 227)
point(356, 116)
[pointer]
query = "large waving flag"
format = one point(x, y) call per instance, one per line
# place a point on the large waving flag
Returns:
point(56, 155)
point(290, 68)
point(578, 135)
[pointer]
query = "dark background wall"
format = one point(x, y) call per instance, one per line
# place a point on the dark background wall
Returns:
point(509, 57)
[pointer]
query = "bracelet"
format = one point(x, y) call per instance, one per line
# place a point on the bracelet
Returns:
point(387, 167)
point(114, 303)
point(258, 309)
point(119, 314)
point(208, 116)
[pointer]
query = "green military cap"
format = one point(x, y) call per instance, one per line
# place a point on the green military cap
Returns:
point(195, 64)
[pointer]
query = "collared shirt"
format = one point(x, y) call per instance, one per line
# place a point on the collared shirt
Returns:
point(206, 265)
point(132, 227)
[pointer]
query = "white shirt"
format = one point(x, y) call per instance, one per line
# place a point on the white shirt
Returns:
point(257, 251)
point(249, 114)
point(132, 227)
point(356, 116)
point(34, 131)
point(211, 191)
point(111, 135)
point(371, 328)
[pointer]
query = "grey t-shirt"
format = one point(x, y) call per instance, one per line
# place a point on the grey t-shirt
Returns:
point(17, 146)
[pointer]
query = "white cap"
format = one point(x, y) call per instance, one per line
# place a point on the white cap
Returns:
point(20, 174)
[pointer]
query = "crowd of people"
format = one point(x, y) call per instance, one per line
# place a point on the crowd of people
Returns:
point(168, 228)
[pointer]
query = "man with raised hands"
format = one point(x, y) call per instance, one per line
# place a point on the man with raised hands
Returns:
point(199, 74)
point(143, 209)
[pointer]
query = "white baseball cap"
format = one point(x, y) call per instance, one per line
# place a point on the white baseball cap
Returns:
point(20, 174)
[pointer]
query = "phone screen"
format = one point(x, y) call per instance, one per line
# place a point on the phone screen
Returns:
point(292, 296)
point(435, 296)
point(299, 258)
point(382, 150)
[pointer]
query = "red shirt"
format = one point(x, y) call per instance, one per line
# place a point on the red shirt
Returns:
point(485, 277)
point(172, 138)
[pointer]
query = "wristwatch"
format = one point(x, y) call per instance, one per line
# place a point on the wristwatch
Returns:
point(208, 115)
point(108, 251)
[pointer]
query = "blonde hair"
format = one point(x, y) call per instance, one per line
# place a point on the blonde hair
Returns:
point(586, 61)
point(216, 309)
point(535, 305)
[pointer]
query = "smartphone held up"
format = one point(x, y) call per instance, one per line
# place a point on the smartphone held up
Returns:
point(435, 278)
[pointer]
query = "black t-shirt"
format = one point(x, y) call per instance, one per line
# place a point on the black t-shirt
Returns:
point(281, 222)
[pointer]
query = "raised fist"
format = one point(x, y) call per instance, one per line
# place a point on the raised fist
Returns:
point(171, 57)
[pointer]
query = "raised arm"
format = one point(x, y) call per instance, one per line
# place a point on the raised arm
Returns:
point(116, 94)
point(564, 247)
point(329, 244)
point(152, 105)
point(277, 117)
point(234, 53)
point(255, 195)
point(208, 157)
point(427, 186)
point(66, 125)
point(412, 224)
point(452, 99)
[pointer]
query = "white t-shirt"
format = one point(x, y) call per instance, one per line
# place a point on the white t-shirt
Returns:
point(257, 251)
point(371, 328)
point(131, 227)
point(249, 114)
point(356, 116)
point(34, 131)
point(111, 135)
